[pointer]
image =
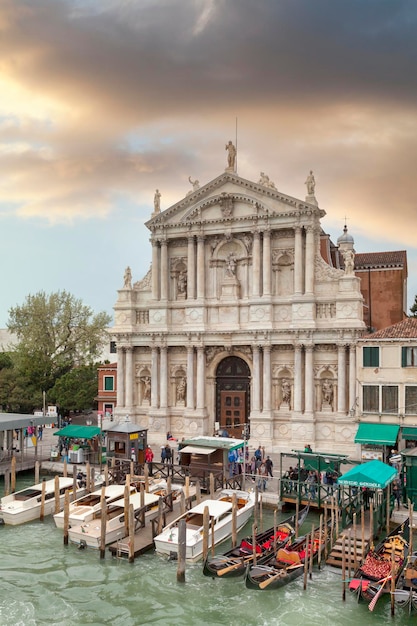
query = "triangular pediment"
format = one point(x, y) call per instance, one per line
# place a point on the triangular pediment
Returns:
point(228, 197)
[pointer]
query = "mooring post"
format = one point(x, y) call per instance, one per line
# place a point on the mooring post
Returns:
point(182, 531)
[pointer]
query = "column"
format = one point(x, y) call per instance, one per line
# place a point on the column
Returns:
point(190, 377)
point(163, 374)
point(164, 269)
point(352, 377)
point(155, 270)
point(309, 379)
point(256, 264)
point(298, 261)
point(266, 260)
point(120, 377)
point(129, 376)
point(201, 377)
point(309, 268)
point(267, 379)
point(200, 267)
point(341, 379)
point(256, 378)
point(297, 377)
point(191, 269)
point(154, 379)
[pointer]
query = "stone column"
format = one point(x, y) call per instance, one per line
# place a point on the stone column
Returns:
point(155, 270)
point(309, 266)
point(352, 377)
point(200, 267)
point(163, 374)
point(164, 269)
point(267, 378)
point(201, 377)
point(120, 377)
point(297, 378)
point(341, 379)
point(298, 261)
point(309, 379)
point(267, 263)
point(256, 264)
point(190, 377)
point(256, 378)
point(191, 269)
point(129, 376)
point(154, 379)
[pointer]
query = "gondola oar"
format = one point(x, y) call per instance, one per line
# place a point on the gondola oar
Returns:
point(243, 561)
point(281, 573)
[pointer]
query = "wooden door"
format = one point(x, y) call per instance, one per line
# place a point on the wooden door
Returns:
point(233, 412)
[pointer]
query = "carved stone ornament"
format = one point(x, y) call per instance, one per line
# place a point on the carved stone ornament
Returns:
point(226, 204)
point(324, 272)
point(146, 283)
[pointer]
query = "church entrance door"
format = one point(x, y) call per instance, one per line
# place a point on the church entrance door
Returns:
point(233, 396)
point(232, 412)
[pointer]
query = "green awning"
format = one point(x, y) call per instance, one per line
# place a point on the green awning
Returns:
point(374, 474)
point(378, 434)
point(409, 432)
point(78, 432)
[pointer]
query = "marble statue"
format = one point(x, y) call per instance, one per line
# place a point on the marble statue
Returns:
point(146, 387)
point(286, 391)
point(127, 284)
point(231, 265)
point(157, 201)
point(182, 282)
point(195, 183)
point(349, 259)
point(181, 387)
point(231, 157)
point(327, 391)
point(311, 184)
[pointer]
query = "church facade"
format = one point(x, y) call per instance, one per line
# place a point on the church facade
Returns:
point(242, 323)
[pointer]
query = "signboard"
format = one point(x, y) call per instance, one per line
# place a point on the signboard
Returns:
point(134, 436)
point(371, 455)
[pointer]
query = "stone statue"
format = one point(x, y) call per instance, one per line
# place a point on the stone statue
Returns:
point(157, 201)
point(182, 282)
point(181, 387)
point(231, 265)
point(311, 184)
point(327, 391)
point(264, 180)
point(127, 281)
point(231, 157)
point(286, 391)
point(349, 259)
point(195, 183)
point(146, 387)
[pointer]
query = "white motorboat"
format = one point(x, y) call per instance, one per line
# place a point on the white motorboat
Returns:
point(25, 505)
point(220, 513)
point(83, 509)
point(89, 533)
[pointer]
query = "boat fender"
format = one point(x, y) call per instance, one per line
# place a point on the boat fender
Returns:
point(1, 522)
point(83, 544)
point(172, 556)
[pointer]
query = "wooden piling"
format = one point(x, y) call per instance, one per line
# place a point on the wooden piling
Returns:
point(311, 554)
point(182, 503)
point(320, 541)
point(212, 485)
point(7, 483)
point(66, 516)
point(126, 507)
point(326, 533)
point(57, 499)
point(371, 521)
point(197, 492)
point(74, 485)
point(363, 529)
point(187, 487)
point(254, 533)
point(306, 564)
point(103, 523)
point(37, 470)
point(349, 552)
point(65, 469)
point(234, 520)
point(42, 511)
point(146, 474)
point(261, 513)
point(410, 515)
point(206, 522)
point(182, 531)
point(93, 480)
point(13, 474)
point(132, 468)
point(393, 582)
point(343, 569)
point(388, 506)
point(88, 477)
point(275, 531)
point(355, 555)
point(297, 511)
point(131, 541)
point(160, 516)
point(106, 476)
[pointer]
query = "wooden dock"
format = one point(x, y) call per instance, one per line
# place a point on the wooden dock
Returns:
point(355, 547)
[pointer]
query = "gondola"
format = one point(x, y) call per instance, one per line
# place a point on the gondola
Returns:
point(233, 562)
point(374, 575)
point(286, 565)
point(405, 594)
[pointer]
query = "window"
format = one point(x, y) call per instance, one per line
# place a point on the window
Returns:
point(108, 383)
point(410, 400)
point(370, 399)
point(409, 356)
point(389, 399)
point(371, 357)
point(113, 348)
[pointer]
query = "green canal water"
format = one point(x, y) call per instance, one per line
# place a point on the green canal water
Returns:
point(43, 582)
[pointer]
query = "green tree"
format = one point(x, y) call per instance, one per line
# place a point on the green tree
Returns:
point(76, 390)
point(55, 333)
point(413, 309)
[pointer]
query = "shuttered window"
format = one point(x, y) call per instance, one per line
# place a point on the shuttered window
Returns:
point(410, 400)
point(389, 399)
point(371, 356)
point(370, 399)
point(409, 356)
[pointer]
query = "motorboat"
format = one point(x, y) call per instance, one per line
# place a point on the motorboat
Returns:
point(25, 505)
point(220, 524)
point(88, 534)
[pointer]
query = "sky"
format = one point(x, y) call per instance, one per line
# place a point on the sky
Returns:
point(103, 101)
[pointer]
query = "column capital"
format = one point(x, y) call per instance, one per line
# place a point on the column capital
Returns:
point(309, 347)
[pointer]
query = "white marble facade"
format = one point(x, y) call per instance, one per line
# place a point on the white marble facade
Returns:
point(237, 274)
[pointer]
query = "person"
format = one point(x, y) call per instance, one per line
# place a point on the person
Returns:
point(269, 465)
point(327, 390)
point(262, 477)
point(258, 456)
point(149, 459)
point(157, 201)
point(182, 282)
point(40, 433)
point(311, 184)
point(181, 390)
point(128, 278)
point(396, 492)
point(286, 391)
point(163, 454)
point(312, 484)
point(231, 156)
point(168, 454)
point(307, 448)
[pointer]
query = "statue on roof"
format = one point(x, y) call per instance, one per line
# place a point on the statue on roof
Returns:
point(231, 156)
point(127, 280)
point(195, 183)
point(311, 184)
point(157, 201)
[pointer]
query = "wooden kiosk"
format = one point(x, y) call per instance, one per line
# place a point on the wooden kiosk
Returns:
point(126, 441)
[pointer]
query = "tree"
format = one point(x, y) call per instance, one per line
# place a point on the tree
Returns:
point(55, 333)
point(413, 309)
point(76, 390)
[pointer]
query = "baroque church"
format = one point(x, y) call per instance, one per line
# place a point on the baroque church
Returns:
point(245, 322)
